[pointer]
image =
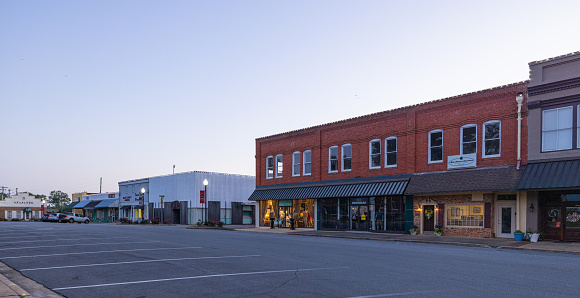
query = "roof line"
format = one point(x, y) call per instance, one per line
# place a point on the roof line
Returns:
point(199, 172)
point(554, 58)
point(398, 109)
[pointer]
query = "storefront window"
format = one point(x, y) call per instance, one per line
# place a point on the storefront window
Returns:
point(465, 215)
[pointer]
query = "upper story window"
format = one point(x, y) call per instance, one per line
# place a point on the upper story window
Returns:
point(346, 157)
point(307, 162)
point(333, 159)
point(469, 139)
point(491, 138)
point(269, 167)
point(279, 166)
point(557, 129)
point(391, 152)
point(375, 154)
point(296, 163)
point(436, 146)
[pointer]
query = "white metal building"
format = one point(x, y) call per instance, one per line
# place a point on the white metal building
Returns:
point(129, 194)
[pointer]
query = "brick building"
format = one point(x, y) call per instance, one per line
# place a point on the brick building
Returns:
point(451, 162)
point(22, 205)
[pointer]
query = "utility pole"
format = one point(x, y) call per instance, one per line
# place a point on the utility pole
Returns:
point(101, 185)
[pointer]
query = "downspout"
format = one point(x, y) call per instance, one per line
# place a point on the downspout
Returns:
point(519, 100)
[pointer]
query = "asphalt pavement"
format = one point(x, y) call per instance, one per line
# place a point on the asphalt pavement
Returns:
point(95, 260)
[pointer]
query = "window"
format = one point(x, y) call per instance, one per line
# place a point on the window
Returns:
point(8, 214)
point(374, 154)
point(391, 152)
point(491, 138)
point(279, 166)
point(557, 129)
point(269, 167)
point(296, 163)
point(346, 156)
point(469, 139)
point(19, 214)
point(465, 215)
point(436, 146)
point(333, 159)
point(307, 162)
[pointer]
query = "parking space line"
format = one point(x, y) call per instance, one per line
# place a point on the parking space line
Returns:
point(97, 252)
point(135, 262)
point(45, 240)
point(68, 245)
point(194, 277)
point(38, 235)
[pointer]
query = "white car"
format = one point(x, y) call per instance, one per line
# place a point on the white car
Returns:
point(73, 217)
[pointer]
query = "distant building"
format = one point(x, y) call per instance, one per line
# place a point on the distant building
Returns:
point(98, 207)
point(22, 205)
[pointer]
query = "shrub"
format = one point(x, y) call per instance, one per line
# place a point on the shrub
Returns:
point(144, 222)
point(15, 219)
point(220, 224)
point(124, 220)
point(438, 229)
point(413, 229)
point(167, 221)
point(3, 219)
point(199, 223)
point(136, 221)
point(155, 221)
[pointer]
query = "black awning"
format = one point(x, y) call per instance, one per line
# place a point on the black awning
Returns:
point(92, 204)
point(70, 206)
point(502, 178)
point(555, 174)
point(347, 190)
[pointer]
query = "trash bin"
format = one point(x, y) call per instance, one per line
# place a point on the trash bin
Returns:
point(291, 223)
point(271, 223)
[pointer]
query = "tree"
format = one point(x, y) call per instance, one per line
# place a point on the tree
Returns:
point(58, 199)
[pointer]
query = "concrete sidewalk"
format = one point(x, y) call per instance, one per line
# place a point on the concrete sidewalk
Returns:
point(505, 243)
point(10, 289)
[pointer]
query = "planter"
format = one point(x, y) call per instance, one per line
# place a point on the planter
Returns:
point(413, 233)
point(437, 234)
point(519, 236)
point(534, 237)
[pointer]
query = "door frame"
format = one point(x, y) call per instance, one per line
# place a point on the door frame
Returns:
point(423, 216)
point(498, 206)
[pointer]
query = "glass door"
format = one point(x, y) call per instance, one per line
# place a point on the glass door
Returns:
point(572, 223)
point(359, 217)
point(506, 220)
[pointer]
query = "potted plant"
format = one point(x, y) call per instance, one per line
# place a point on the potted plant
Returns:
point(413, 230)
point(518, 235)
point(438, 230)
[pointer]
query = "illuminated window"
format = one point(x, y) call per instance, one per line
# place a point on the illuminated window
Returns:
point(465, 215)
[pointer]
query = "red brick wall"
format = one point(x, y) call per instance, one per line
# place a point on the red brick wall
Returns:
point(411, 126)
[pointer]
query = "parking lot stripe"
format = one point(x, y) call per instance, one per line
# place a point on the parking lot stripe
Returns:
point(97, 252)
point(135, 262)
point(104, 243)
point(45, 240)
point(194, 277)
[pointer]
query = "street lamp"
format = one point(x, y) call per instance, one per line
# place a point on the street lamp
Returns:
point(142, 202)
point(205, 183)
point(42, 208)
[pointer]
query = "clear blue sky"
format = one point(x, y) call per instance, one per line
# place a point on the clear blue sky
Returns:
point(126, 89)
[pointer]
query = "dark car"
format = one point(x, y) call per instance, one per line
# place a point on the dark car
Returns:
point(45, 217)
point(54, 217)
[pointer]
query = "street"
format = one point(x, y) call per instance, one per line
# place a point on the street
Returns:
point(104, 260)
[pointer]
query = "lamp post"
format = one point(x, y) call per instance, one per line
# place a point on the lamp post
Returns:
point(205, 183)
point(142, 202)
point(42, 208)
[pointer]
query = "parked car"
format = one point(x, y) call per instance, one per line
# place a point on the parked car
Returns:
point(73, 217)
point(44, 217)
point(54, 217)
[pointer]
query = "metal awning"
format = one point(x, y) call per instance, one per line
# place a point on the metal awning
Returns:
point(27, 209)
point(82, 204)
point(550, 175)
point(126, 207)
point(363, 189)
point(92, 204)
point(70, 206)
point(108, 203)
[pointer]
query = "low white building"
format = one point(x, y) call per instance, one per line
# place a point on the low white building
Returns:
point(22, 205)
point(101, 207)
point(176, 197)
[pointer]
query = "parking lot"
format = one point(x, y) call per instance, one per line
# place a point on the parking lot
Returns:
point(100, 260)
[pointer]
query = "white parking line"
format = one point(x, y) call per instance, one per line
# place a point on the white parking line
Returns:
point(38, 239)
point(45, 240)
point(135, 262)
point(193, 277)
point(44, 246)
point(97, 252)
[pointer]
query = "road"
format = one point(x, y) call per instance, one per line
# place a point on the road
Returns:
point(101, 260)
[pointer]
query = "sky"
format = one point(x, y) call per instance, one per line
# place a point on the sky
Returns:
point(126, 89)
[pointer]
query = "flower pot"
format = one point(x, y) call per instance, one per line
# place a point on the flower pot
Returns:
point(519, 236)
point(413, 233)
point(437, 234)
point(534, 237)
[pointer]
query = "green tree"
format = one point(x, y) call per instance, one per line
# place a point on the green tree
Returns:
point(58, 199)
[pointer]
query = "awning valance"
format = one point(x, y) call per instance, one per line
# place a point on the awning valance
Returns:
point(550, 175)
point(346, 190)
point(82, 204)
point(70, 206)
point(27, 209)
point(92, 204)
point(108, 203)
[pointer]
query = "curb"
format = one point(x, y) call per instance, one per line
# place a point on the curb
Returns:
point(14, 287)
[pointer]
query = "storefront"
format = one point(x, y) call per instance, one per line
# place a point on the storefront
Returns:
point(363, 204)
point(555, 189)
point(22, 206)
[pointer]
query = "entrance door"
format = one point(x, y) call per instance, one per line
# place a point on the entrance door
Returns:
point(572, 223)
point(359, 217)
point(506, 220)
point(428, 218)
point(285, 213)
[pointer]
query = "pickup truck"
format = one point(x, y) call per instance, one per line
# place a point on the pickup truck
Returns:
point(73, 217)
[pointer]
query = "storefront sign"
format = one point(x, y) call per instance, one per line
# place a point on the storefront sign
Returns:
point(285, 203)
point(111, 196)
point(161, 197)
point(359, 201)
point(202, 196)
point(140, 200)
point(462, 161)
point(127, 198)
